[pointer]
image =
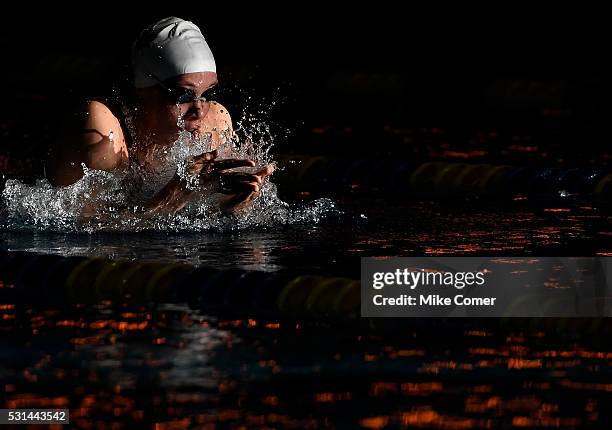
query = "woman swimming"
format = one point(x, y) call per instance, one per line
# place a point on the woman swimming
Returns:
point(174, 80)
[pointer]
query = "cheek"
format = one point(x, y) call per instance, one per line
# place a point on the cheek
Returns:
point(172, 114)
point(165, 119)
point(159, 116)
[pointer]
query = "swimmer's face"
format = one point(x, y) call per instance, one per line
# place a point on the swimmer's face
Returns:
point(179, 97)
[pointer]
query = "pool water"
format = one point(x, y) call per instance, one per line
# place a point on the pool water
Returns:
point(128, 366)
point(358, 228)
point(180, 368)
point(125, 367)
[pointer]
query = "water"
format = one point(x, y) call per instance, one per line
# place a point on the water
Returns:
point(125, 366)
point(179, 368)
point(173, 366)
point(359, 227)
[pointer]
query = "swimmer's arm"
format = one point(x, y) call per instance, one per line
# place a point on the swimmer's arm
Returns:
point(246, 191)
point(93, 138)
point(210, 173)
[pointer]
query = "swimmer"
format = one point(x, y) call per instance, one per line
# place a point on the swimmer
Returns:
point(174, 81)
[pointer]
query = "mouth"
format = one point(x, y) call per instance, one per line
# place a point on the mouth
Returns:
point(194, 130)
point(192, 125)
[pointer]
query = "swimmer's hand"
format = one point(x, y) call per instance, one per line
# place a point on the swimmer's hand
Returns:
point(212, 175)
point(246, 190)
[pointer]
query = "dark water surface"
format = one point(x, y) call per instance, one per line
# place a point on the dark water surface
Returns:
point(171, 365)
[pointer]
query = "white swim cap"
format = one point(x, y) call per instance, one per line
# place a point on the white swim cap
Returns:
point(169, 48)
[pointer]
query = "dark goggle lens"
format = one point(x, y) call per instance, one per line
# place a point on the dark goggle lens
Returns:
point(182, 96)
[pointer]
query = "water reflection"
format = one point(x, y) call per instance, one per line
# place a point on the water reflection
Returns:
point(181, 369)
point(363, 229)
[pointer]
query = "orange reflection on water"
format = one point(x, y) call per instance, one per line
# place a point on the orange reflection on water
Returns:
point(474, 404)
point(577, 353)
point(270, 400)
point(545, 422)
point(463, 154)
point(28, 400)
point(592, 386)
point(421, 388)
point(487, 351)
point(427, 417)
point(521, 363)
point(118, 325)
point(482, 389)
point(173, 425)
point(382, 388)
point(434, 367)
point(477, 333)
point(374, 423)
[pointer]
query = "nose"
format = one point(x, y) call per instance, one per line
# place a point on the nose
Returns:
point(196, 109)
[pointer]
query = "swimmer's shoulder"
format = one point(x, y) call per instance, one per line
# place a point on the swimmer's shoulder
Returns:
point(94, 137)
point(220, 116)
point(220, 122)
point(100, 120)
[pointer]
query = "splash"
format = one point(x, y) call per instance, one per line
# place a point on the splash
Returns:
point(114, 201)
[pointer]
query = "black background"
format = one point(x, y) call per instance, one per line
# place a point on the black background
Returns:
point(358, 66)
